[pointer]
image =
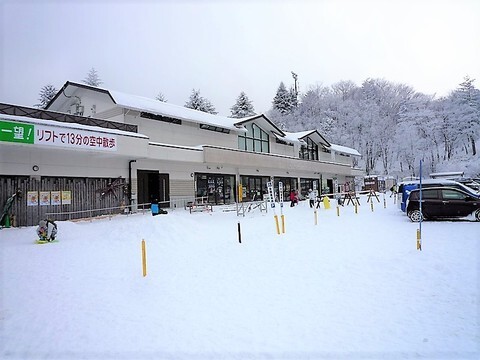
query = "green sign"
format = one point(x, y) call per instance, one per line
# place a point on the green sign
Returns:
point(16, 132)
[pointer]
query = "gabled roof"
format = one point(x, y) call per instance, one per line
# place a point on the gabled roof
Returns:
point(143, 104)
point(266, 122)
point(312, 134)
point(74, 84)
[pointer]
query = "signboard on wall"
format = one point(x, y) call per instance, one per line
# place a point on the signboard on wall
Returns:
point(55, 198)
point(44, 198)
point(32, 198)
point(16, 132)
point(66, 197)
point(47, 135)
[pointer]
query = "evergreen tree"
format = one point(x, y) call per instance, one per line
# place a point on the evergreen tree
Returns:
point(92, 78)
point(243, 107)
point(293, 98)
point(199, 103)
point(161, 97)
point(282, 102)
point(46, 94)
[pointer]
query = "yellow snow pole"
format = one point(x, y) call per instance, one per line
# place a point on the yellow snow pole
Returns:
point(283, 224)
point(144, 258)
point(419, 240)
point(276, 223)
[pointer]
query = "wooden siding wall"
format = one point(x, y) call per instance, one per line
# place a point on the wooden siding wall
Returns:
point(85, 195)
point(182, 187)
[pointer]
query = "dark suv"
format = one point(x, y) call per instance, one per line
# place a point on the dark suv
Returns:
point(442, 202)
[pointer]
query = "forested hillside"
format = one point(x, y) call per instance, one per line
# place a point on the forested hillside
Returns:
point(391, 125)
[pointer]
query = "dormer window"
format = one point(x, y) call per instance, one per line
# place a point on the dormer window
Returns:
point(309, 151)
point(255, 139)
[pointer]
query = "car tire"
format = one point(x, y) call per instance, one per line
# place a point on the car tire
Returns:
point(415, 215)
point(477, 215)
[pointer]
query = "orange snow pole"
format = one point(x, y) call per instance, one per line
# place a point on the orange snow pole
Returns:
point(144, 258)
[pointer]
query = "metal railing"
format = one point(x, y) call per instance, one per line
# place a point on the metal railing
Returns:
point(101, 212)
point(244, 207)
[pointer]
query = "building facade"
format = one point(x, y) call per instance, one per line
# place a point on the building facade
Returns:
point(96, 148)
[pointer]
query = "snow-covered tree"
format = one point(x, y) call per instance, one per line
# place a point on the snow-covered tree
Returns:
point(199, 103)
point(466, 102)
point(46, 94)
point(92, 78)
point(243, 107)
point(161, 97)
point(283, 102)
point(391, 125)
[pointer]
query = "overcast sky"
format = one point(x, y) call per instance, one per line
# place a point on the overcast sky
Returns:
point(225, 47)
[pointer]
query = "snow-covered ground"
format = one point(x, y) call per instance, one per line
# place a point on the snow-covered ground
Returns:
point(353, 286)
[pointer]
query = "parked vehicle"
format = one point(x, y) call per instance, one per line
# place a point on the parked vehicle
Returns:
point(442, 202)
point(471, 183)
point(405, 187)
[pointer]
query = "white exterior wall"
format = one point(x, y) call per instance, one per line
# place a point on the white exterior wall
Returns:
point(187, 134)
point(87, 99)
point(63, 159)
point(280, 149)
point(19, 160)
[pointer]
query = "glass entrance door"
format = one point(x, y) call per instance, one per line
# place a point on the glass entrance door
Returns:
point(216, 188)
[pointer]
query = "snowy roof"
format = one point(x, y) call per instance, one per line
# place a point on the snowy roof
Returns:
point(30, 120)
point(451, 174)
point(140, 103)
point(144, 104)
point(266, 122)
point(314, 134)
point(344, 150)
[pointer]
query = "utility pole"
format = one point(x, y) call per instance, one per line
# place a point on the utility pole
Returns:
point(295, 77)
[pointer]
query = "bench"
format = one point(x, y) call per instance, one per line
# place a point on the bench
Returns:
point(194, 207)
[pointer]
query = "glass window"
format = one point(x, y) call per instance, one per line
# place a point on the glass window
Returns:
point(256, 139)
point(309, 151)
point(258, 145)
point(242, 143)
point(452, 195)
point(249, 144)
point(428, 194)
